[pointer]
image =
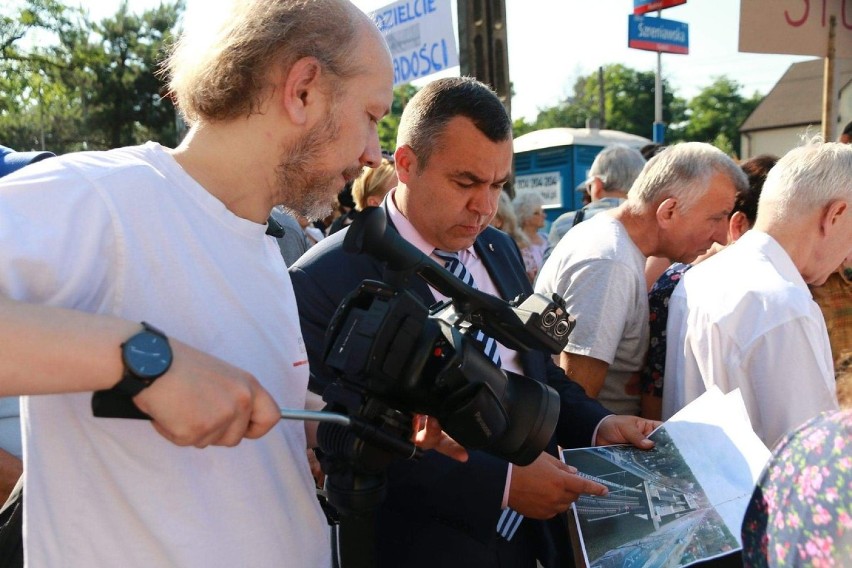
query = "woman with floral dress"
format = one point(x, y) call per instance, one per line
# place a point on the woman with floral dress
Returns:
point(801, 511)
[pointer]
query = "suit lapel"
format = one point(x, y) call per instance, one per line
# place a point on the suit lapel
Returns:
point(494, 257)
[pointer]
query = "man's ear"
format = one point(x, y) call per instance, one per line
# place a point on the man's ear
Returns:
point(406, 163)
point(666, 212)
point(832, 214)
point(597, 188)
point(301, 89)
point(737, 226)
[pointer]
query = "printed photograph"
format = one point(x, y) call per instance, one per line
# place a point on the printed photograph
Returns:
point(656, 513)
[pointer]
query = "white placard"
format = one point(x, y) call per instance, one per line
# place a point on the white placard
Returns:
point(420, 37)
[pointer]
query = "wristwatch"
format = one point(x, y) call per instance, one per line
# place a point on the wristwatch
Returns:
point(147, 356)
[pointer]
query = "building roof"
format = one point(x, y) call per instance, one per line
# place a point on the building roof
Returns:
point(552, 137)
point(796, 99)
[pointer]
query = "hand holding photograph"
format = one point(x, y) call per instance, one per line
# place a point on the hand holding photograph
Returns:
point(681, 502)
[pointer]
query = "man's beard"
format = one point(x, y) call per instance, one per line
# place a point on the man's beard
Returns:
point(304, 189)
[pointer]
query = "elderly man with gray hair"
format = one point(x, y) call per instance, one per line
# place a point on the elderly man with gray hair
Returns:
point(677, 208)
point(746, 319)
point(612, 173)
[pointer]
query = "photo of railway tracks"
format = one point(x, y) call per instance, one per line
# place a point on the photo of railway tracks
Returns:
point(656, 513)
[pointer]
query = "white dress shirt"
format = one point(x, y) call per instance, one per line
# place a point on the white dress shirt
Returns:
point(746, 319)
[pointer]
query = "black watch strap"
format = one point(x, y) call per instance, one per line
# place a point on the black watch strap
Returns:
point(131, 385)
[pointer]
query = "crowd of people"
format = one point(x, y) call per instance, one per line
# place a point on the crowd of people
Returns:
point(769, 235)
point(198, 283)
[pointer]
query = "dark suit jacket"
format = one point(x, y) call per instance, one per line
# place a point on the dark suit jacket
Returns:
point(440, 512)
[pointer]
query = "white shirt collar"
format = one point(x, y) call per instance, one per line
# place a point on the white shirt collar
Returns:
point(776, 255)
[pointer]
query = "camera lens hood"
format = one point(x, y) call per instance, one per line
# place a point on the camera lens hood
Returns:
point(533, 416)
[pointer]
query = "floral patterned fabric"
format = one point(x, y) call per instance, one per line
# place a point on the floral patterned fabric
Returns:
point(651, 379)
point(801, 511)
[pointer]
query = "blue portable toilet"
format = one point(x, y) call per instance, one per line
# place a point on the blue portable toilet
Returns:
point(554, 161)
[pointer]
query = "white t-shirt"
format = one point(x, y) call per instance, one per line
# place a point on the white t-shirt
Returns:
point(746, 319)
point(10, 426)
point(600, 273)
point(129, 233)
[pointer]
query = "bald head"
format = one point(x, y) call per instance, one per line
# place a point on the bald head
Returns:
point(223, 73)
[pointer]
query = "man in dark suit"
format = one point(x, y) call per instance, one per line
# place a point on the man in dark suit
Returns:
point(453, 157)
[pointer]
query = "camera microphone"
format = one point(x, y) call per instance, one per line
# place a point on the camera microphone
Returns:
point(534, 322)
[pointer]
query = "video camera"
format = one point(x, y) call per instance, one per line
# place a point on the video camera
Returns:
point(395, 357)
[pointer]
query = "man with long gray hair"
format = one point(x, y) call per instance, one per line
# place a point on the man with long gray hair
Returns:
point(746, 319)
point(677, 208)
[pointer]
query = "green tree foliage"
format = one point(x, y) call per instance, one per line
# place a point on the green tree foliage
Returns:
point(628, 103)
point(69, 83)
point(389, 125)
point(566, 114)
point(32, 103)
point(521, 126)
point(713, 116)
point(716, 113)
point(629, 99)
point(127, 107)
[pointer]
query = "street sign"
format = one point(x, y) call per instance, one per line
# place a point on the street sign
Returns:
point(657, 34)
point(644, 6)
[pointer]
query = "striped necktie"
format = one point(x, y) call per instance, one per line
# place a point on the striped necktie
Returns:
point(509, 520)
point(454, 265)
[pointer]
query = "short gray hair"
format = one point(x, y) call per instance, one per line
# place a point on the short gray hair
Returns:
point(807, 178)
point(618, 166)
point(526, 204)
point(683, 171)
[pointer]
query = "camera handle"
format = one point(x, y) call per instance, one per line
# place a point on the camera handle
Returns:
point(114, 404)
point(361, 428)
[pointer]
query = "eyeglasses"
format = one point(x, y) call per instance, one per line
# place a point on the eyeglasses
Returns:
point(388, 156)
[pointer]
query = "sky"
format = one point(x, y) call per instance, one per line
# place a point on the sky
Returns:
point(553, 42)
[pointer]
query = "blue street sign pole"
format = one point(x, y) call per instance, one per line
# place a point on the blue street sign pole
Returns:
point(657, 34)
point(659, 134)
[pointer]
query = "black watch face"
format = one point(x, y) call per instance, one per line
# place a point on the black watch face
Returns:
point(147, 355)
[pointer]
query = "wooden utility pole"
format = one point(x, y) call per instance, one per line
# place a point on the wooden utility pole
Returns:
point(829, 121)
point(483, 45)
